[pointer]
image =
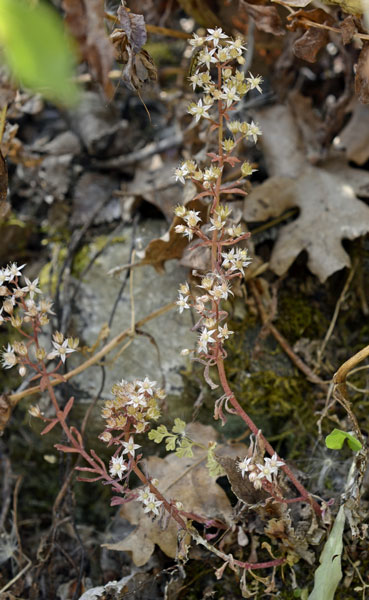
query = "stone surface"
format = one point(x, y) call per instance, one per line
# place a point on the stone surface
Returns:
point(171, 331)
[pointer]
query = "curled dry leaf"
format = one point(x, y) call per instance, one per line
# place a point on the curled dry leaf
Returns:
point(85, 20)
point(348, 29)
point(128, 41)
point(266, 17)
point(172, 244)
point(314, 39)
point(362, 75)
point(184, 479)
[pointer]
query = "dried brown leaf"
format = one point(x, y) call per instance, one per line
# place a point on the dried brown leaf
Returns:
point(314, 39)
point(326, 197)
point(266, 17)
point(138, 66)
point(362, 75)
point(348, 29)
point(329, 213)
point(183, 479)
point(241, 486)
point(308, 46)
point(133, 26)
point(171, 245)
point(85, 20)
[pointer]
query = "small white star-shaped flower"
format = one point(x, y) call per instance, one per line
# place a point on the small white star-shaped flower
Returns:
point(117, 467)
point(146, 386)
point(130, 446)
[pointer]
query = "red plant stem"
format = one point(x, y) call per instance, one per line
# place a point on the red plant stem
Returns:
point(72, 440)
point(250, 423)
point(173, 511)
point(215, 262)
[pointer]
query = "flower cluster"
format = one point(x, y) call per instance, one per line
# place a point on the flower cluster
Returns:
point(133, 404)
point(20, 308)
point(221, 90)
point(149, 500)
point(258, 471)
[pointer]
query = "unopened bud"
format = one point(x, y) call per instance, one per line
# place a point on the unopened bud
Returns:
point(20, 348)
point(105, 436)
point(8, 306)
point(16, 321)
point(73, 343)
point(34, 411)
point(44, 319)
point(40, 354)
point(22, 371)
point(58, 337)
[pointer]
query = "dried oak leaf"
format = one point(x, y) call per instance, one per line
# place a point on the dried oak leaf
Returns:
point(266, 17)
point(85, 21)
point(329, 213)
point(362, 75)
point(314, 39)
point(325, 195)
point(183, 479)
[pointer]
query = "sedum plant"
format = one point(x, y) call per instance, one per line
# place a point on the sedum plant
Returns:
point(135, 405)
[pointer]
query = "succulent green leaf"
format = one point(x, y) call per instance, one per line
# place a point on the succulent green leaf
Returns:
point(157, 435)
point(38, 50)
point(170, 442)
point(214, 468)
point(336, 438)
point(179, 426)
point(329, 573)
point(185, 449)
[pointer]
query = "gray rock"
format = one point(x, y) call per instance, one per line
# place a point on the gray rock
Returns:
point(170, 332)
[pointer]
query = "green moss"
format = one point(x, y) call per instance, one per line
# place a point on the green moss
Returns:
point(299, 316)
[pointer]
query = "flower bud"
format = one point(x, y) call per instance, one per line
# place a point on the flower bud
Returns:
point(8, 306)
point(22, 370)
point(58, 337)
point(40, 354)
point(16, 321)
point(34, 411)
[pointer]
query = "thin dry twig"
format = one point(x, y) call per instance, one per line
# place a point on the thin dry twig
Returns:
point(15, 398)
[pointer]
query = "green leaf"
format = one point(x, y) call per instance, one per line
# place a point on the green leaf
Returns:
point(185, 449)
point(329, 574)
point(214, 468)
point(179, 426)
point(158, 434)
point(336, 438)
point(170, 443)
point(38, 50)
